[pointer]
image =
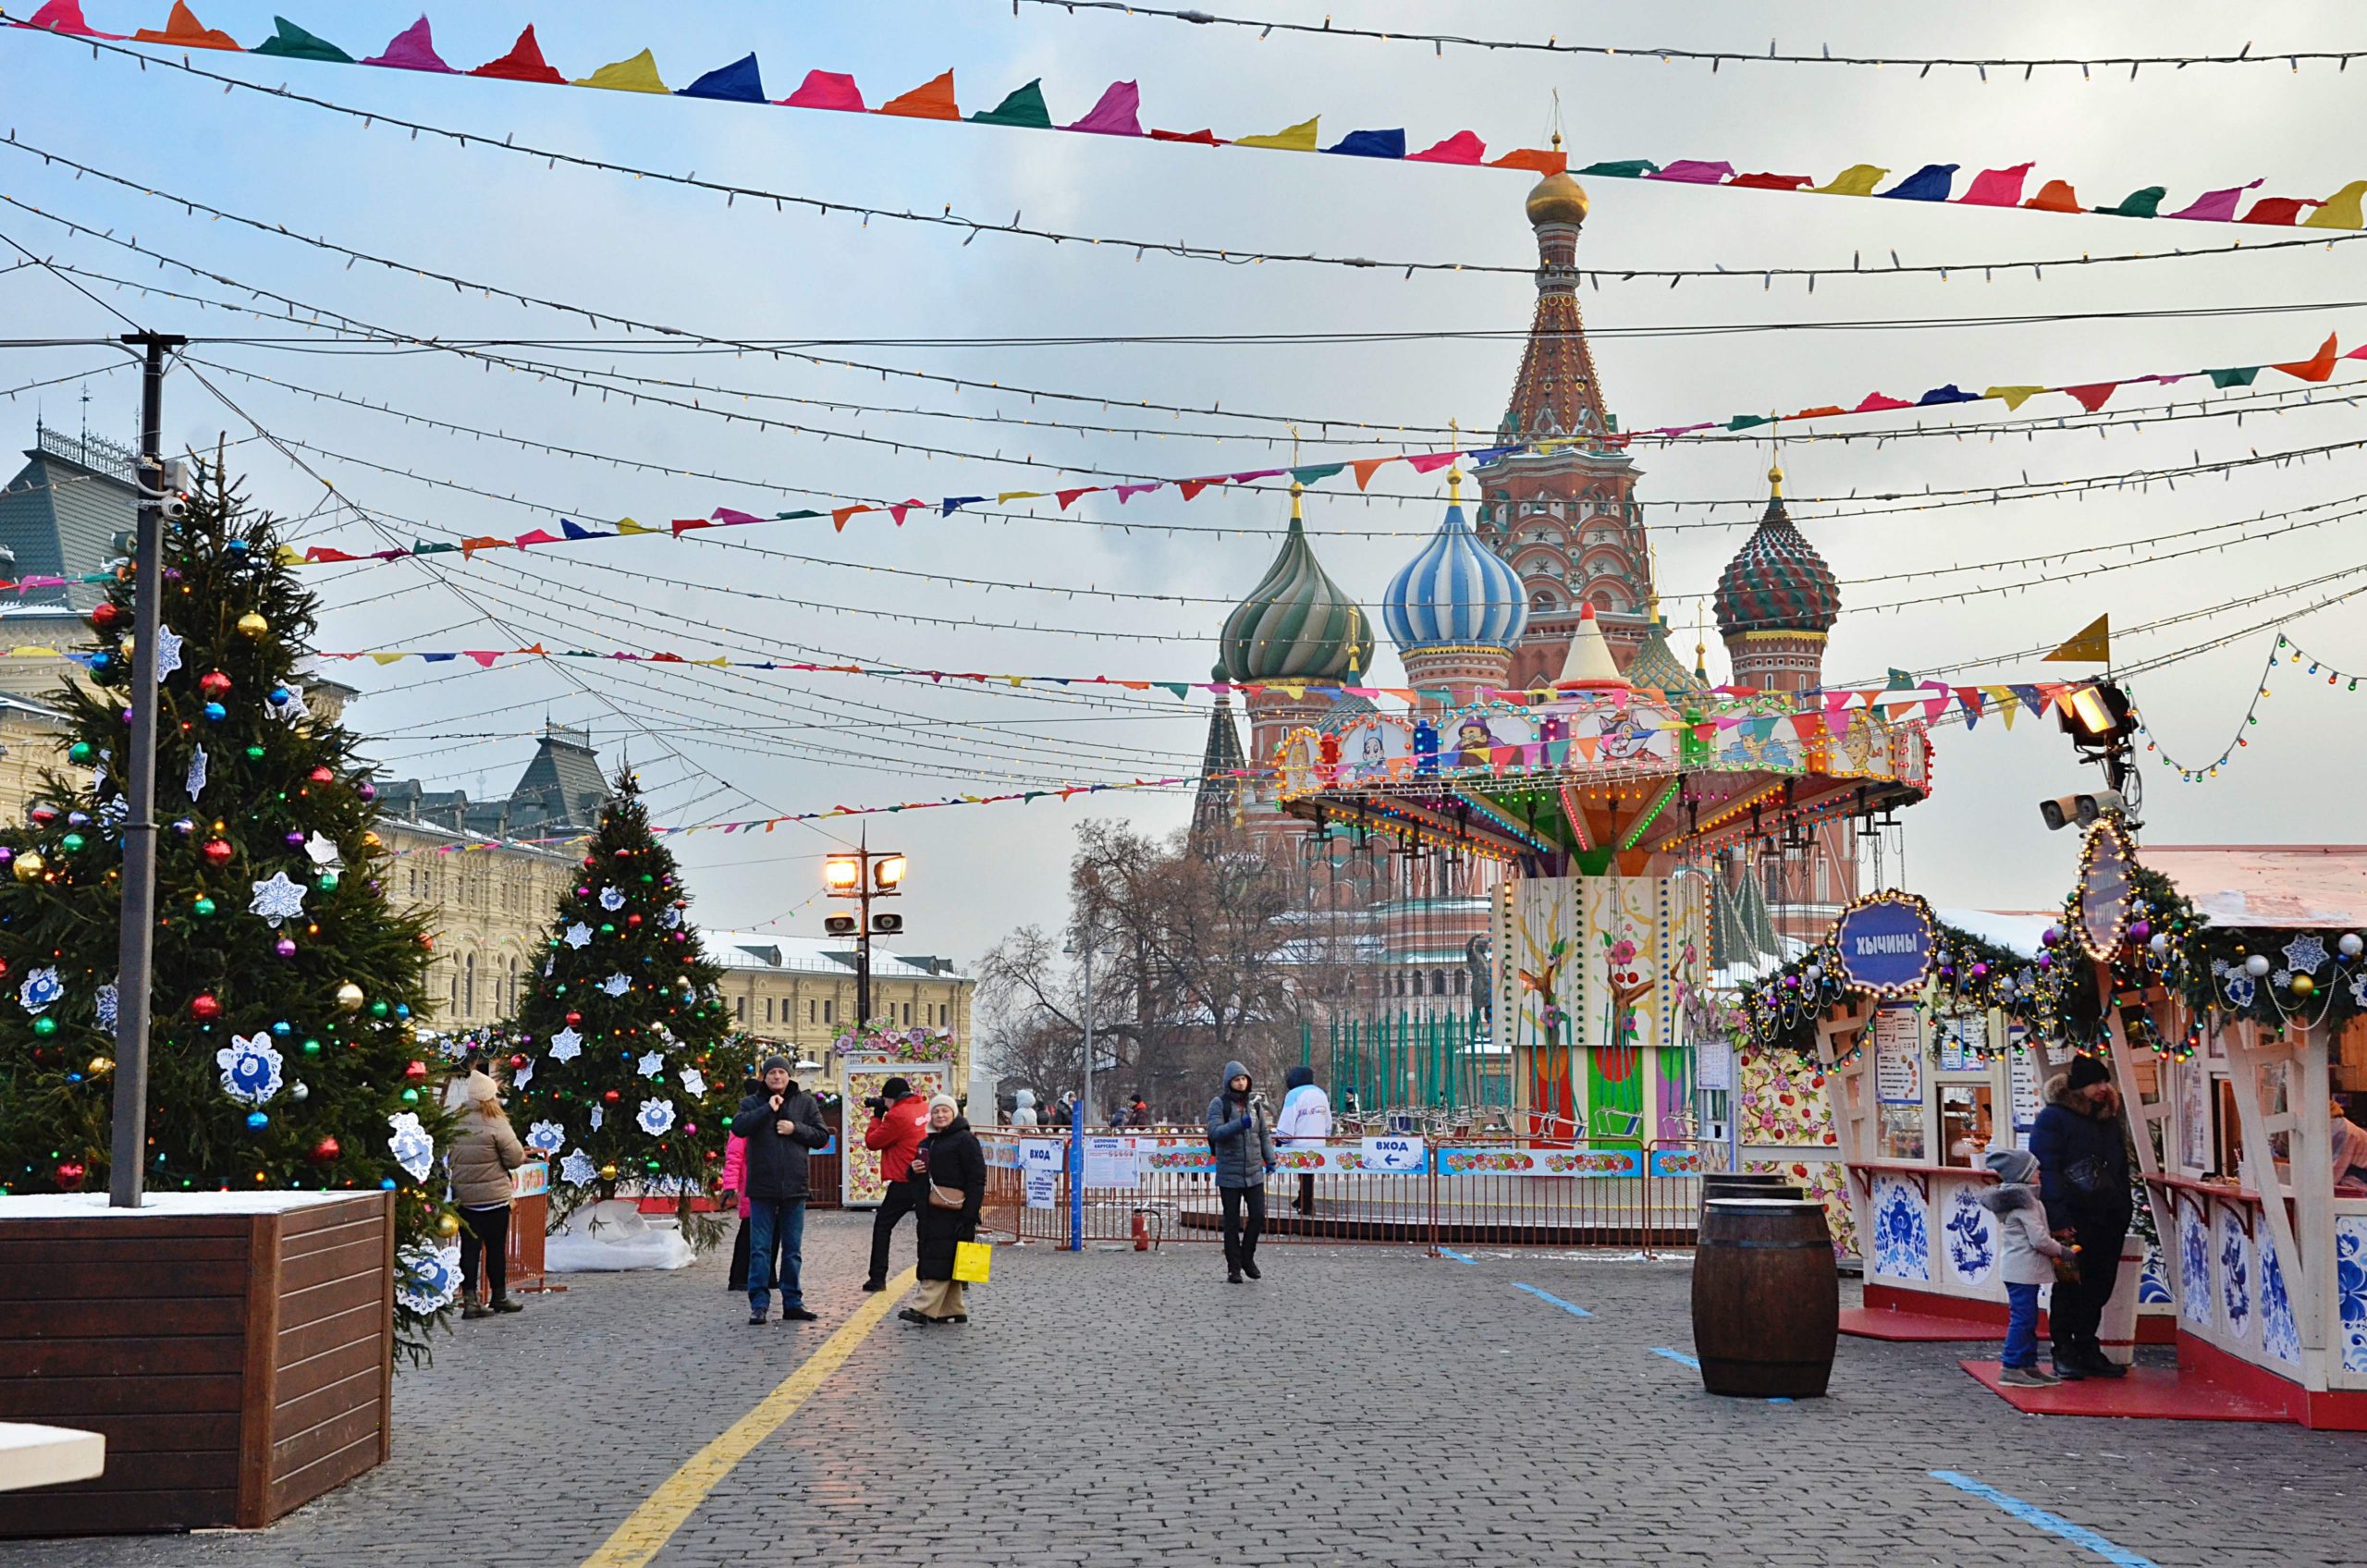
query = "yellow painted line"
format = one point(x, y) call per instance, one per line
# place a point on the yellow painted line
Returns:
point(664, 1510)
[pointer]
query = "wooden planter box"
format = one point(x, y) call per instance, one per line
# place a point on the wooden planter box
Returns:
point(235, 1350)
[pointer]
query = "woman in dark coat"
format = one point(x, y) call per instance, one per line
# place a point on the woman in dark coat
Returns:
point(950, 1161)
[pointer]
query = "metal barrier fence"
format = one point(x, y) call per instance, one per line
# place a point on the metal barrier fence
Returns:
point(1152, 1188)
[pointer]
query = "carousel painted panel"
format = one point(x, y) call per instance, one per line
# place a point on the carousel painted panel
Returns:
point(1543, 992)
point(1376, 749)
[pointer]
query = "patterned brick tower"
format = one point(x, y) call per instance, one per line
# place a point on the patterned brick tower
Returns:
point(1776, 601)
point(1566, 517)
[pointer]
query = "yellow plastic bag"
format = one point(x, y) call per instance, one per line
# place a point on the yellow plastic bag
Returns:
point(972, 1262)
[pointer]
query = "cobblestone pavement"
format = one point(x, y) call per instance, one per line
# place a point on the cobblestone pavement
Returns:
point(1360, 1406)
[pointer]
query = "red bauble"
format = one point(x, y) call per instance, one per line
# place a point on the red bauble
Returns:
point(321, 775)
point(217, 851)
point(517, 1061)
point(326, 1150)
point(205, 1006)
point(632, 920)
point(575, 1018)
point(71, 1173)
point(415, 1072)
point(213, 684)
point(611, 1097)
point(104, 615)
point(42, 815)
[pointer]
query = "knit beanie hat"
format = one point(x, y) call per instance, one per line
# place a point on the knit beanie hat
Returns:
point(895, 1089)
point(773, 1061)
point(2087, 1069)
point(948, 1101)
point(2016, 1166)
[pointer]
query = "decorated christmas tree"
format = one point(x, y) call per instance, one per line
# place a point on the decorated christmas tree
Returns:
point(625, 1076)
point(281, 1053)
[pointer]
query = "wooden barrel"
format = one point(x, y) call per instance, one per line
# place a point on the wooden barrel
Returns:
point(1749, 1185)
point(1766, 1298)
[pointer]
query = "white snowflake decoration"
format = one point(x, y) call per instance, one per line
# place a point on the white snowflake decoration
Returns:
point(656, 1118)
point(427, 1279)
point(320, 849)
point(616, 985)
point(693, 1083)
point(278, 899)
point(577, 1170)
point(567, 1045)
point(2219, 966)
point(652, 1064)
point(41, 990)
point(410, 1145)
point(671, 919)
point(2304, 954)
point(2359, 989)
point(293, 710)
point(110, 1005)
point(612, 898)
point(546, 1137)
point(524, 1074)
point(2240, 987)
point(579, 935)
point(250, 1067)
point(599, 1117)
point(196, 784)
point(2283, 977)
point(168, 651)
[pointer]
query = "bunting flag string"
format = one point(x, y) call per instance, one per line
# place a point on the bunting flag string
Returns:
point(1118, 113)
point(2090, 395)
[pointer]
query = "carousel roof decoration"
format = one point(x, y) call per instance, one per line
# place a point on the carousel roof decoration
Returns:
point(1777, 582)
point(1297, 624)
point(1589, 665)
point(1656, 666)
point(1457, 592)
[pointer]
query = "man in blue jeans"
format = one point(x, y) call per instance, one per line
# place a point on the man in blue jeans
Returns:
point(781, 1123)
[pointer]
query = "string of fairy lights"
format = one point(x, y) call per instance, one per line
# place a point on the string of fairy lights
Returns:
point(2286, 651)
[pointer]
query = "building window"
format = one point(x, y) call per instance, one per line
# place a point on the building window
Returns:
point(829, 1012)
point(813, 1010)
point(1438, 982)
point(469, 986)
point(908, 1012)
point(768, 1009)
point(740, 1009)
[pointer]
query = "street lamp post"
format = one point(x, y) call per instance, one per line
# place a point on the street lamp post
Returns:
point(864, 873)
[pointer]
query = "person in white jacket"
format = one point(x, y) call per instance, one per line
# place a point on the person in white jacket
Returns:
point(1305, 1119)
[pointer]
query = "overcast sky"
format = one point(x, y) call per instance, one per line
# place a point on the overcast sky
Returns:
point(727, 746)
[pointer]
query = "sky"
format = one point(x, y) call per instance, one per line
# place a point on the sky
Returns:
point(1440, 347)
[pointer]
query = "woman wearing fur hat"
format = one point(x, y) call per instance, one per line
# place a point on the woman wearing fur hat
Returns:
point(953, 1166)
point(2083, 1177)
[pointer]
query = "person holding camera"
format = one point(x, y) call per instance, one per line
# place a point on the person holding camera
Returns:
point(898, 1121)
point(1241, 1135)
point(783, 1125)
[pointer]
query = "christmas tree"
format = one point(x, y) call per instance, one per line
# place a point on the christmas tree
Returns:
point(281, 1053)
point(626, 1077)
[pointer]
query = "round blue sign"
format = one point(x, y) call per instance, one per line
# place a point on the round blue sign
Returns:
point(1884, 944)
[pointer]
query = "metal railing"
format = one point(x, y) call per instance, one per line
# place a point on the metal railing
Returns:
point(1466, 1190)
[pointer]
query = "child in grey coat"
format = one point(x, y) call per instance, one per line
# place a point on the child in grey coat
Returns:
point(2030, 1252)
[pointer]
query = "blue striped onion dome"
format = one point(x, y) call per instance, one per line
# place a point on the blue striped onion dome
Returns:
point(1457, 592)
point(1297, 624)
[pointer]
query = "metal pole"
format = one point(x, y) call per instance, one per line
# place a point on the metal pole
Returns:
point(863, 934)
point(1077, 1114)
point(127, 1173)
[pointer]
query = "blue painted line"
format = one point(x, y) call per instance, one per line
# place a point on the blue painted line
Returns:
point(1449, 1252)
point(1572, 1308)
point(2053, 1523)
point(1676, 1355)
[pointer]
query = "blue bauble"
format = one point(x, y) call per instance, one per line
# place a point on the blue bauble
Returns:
point(217, 712)
point(257, 1120)
point(283, 1027)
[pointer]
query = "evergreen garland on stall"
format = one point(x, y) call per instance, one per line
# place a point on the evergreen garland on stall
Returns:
point(626, 1078)
point(281, 1052)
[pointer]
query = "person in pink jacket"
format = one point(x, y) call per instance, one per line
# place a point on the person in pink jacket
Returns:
point(735, 1184)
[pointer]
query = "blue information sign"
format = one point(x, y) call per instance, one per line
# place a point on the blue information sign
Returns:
point(1884, 944)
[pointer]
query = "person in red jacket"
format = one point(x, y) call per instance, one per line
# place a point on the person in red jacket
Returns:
point(898, 1121)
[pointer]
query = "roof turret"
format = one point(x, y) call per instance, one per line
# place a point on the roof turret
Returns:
point(1297, 624)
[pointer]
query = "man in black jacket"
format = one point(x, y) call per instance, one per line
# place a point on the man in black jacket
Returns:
point(2083, 1179)
point(781, 1123)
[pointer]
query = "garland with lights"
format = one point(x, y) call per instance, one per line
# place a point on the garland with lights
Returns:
point(1968, 976)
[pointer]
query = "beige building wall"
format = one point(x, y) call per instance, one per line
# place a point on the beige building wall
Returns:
point(489, 909)
point(803, 1009)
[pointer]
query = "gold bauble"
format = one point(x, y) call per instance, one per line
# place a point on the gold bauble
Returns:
point(448, 1224)
point(99, 1066)
point(252, 625)
point(30, 866)
point(607, 1173)
point(2303, 986)
point(348, 997)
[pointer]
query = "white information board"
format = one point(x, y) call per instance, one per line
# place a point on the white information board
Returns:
point(1109, 1162)
point(1396, 1154)
point(1898, 1057)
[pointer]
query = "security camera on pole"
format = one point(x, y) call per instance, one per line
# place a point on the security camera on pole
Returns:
point(2102, 722)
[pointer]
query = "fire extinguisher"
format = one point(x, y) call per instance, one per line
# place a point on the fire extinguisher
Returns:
point(1142, 1229)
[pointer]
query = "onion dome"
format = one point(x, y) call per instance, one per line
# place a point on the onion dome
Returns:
point(1297, 624)
point(1589, 667)
point(1557, 199)
point(1457, 592)
point(1656, 667)
point(1777, 582)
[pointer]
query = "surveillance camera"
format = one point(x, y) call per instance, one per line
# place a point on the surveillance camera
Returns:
point(2085, 810)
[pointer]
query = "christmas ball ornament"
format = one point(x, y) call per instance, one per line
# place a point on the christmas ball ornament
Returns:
point(2052, 936)
point(71, 842)
point(79, 751)
point(44, 1026)
point(282, 1029)
point(254, 754)
point(217, 712)
point(321, 775)
point(104, 614)
point(2159, 944)
point(203, 905)
point(2256, 966)
point(2351, 945)
point(311, 1047)
point(214, 684)
point(42, 815)
point(71, 1171)
point(607, 1173)
point(632, 920)
point(410, 1097)
point(184, 826)
point(284, 947)
point(575, 1018)
point(2303, 986)
point(611, 1097)
point(402, 1010)
point(368, 792)
point(206, 1006)
point(328, 878)
point(379, 1010)
point(293, 838)
point(299, 1091)
point(2046, 961)
point(326, 1150)
point(348, 997)
point(416, 1070)
point(217, 851)
point(516, 1062)
point(257, 1120)
point(252, 625)
point(448, 1224)
point(99, 1066)
point(277, 697)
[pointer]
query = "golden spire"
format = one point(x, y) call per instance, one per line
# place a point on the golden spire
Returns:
point(1775, 480)
point(1295, 489)
point(1455, 469)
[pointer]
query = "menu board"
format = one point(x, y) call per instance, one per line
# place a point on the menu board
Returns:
point(1898, 1057)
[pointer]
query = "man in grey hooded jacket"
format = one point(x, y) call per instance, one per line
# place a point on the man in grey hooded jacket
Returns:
point(1241, 1135)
